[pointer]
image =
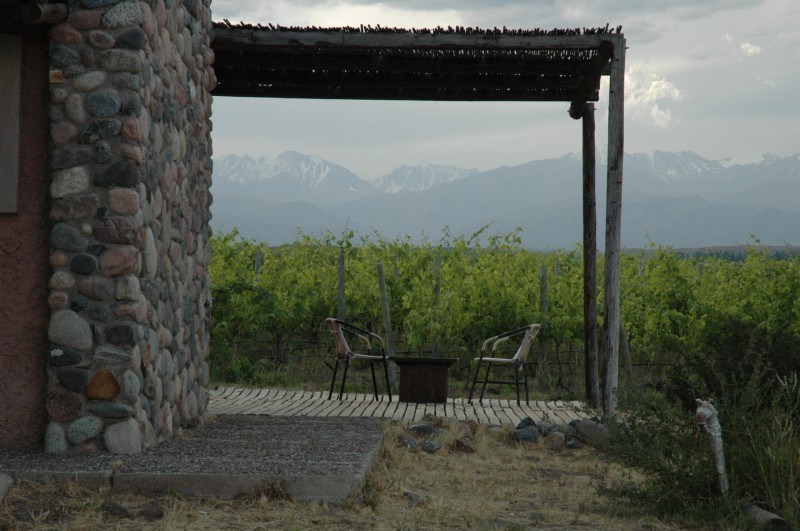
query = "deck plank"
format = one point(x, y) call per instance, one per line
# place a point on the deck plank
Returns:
point(280, 402)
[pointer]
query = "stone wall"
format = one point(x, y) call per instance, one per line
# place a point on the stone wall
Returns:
point(129, 293)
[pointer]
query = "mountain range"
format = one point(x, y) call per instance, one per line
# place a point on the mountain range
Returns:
point(672, 199)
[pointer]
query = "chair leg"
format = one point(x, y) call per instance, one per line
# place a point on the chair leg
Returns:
point(516, 382)
point(374, 381)
point(485, 381)
point(333, 382)
point(474, 382)
point(388, 383)
point(344, 376)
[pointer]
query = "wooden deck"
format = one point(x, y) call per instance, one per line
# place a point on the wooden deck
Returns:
point(280, 402)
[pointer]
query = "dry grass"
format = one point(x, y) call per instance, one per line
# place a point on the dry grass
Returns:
point(501, 485)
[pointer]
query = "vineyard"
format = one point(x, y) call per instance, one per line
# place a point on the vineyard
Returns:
point(447, 296)
point(726, 328)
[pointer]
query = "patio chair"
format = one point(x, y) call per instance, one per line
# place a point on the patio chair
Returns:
point(344, 353)
point(489, 359)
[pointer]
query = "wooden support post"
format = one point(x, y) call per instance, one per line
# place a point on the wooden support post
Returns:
point(591, 364)
point(387, 322)
point(543, 313)
point(340, 313)
point(437, 287)
point(616, 101)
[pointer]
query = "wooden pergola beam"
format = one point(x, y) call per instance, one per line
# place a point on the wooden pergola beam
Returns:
point(338, 78)
point(357, 59)
point(365, 92)
point(258, 38)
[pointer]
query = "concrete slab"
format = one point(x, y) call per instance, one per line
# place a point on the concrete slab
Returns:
point(87, 479)
point(303, 458)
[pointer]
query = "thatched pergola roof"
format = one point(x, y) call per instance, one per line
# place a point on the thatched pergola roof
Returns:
point(442, 64)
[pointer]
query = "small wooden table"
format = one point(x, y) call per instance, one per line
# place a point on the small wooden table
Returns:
point(423, 380)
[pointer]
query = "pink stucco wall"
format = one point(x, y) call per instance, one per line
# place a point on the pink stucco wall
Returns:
point(24, 252)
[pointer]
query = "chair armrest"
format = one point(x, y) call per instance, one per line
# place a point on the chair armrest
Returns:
point(488, 342)
point(499, 341)
point(513, 333)
point(361, 333)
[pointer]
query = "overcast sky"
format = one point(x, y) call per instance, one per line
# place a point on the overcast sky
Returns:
point(718, 77)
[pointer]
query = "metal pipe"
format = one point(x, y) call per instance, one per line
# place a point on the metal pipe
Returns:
point(45, 13)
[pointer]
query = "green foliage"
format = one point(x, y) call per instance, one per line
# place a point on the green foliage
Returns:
point(763, 444)
point(660, 440)
point(459, 291)
point(729, 329)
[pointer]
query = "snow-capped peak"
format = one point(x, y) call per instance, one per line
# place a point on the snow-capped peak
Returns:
point(310, 170)
point(420, 177)
point(677, 166)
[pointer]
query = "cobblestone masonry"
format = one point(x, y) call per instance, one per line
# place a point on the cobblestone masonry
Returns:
point(131, 169)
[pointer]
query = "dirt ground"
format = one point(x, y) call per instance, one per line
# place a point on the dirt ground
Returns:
point(476, 480)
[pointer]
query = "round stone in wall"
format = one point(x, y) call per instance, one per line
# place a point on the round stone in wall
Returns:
point(70, 181)
point(73, 378)
point(123, 201)
point(59, 356)
point(121, 334)
point(61, 55)
point(69, 329)
point(88, 81)
point(97, 288)
point(101, 40)
point(131, 386)
point(55, 440)
point(150, 256)
point(99, 130)
point(83, 264)
point(123, 438)
point(103, 103)
point(68, 238)
point(123, 14)
point(133, 39)
point(102, 385)
point(127, 288)
point(74, 207)
point(63, 405)
point(112, 356)
point(61, 280)
point(83, 429)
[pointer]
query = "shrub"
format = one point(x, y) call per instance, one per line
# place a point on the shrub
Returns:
point(661, 441)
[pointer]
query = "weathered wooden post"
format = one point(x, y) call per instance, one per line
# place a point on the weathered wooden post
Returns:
point(437, 287)
point(616, 102)
point(387, 322)
point(543, 313)
point(591, 364)
point(340, 313)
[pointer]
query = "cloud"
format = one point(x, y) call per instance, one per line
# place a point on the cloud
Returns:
point(750, 49)
point(766, 82)
point(649, 97)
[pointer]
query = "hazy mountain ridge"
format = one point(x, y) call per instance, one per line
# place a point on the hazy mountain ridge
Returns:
point(420, 177)
point(677, 199)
